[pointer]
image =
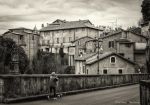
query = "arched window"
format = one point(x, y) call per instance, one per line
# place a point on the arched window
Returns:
point(112, 59)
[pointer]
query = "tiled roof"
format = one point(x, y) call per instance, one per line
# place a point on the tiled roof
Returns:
point(112, 34)
point(117, 32)
point(94, 58)
point(136, 30)
point(85, 56)
point(105, 55)
point(69, 25)
point(20, 28)
point(20, 33)
point(123, 40)
point(83, 38)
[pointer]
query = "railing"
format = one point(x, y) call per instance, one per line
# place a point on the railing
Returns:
point(145, 92)
point(23, 86)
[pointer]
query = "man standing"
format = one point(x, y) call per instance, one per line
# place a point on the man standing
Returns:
point(53, 85)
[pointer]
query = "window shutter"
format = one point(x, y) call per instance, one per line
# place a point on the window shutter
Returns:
point(109, 44)
point(112, 44)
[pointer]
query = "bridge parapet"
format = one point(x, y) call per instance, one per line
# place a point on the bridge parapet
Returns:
point(16, 87)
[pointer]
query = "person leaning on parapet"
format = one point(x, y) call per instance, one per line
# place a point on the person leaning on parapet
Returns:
point(53, 84)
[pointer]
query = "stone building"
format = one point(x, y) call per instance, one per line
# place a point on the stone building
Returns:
point(110, 43)
point(28, 39)
point(145, 27)
point(64, 32)
point(125, 44)
point(108, 63)
point(79, 48)
point(125, 48)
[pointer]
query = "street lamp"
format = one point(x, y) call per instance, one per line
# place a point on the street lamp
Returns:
point(98, 44)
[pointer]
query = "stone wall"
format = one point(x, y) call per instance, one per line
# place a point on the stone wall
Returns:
point(145, 92)
point(14, 87)
point(112, 68)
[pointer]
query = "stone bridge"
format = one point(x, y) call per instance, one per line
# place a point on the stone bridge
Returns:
point(19, 87)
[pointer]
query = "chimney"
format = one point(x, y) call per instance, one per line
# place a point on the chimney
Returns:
point(47, 24)
point(124, 34)
point(42, 25)
point(101, 50)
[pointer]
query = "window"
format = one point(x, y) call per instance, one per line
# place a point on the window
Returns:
point(57, 31)
point(57, 40)
point(128, 45)
point(32, 37)
point(47, 49)
point(69, 31)
point(48, 42)
point(64, 40)
point(83, 29)
point(105, 71)
point(69, 39)
point(43, 42)
point(84, 71)
point(111, 44)
point(112, 59)
point(87, 71)
point(21, 37)
point(76, 37)
point(124, 35)
point(120, 71)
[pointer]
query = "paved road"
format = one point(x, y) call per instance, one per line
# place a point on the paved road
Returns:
point(128, 95)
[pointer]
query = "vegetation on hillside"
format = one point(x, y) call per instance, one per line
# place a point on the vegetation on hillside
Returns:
point(7, 48)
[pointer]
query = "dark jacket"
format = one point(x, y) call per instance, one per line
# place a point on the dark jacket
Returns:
point(53, 81)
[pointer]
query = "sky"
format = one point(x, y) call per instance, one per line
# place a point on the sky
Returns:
point(28, 13)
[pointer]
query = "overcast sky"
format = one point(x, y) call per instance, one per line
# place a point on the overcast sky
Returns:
point(28, 13)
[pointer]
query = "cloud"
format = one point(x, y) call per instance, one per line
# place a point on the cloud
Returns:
point(101, 12)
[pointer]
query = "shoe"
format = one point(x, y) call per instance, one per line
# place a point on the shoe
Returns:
point(48, 97)
point(54, 98)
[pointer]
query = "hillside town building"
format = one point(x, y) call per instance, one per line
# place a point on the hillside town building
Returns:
point(28, 39)
point(108, 63)
point(64, 32)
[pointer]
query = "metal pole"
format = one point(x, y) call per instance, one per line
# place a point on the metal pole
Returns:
point(98, 58)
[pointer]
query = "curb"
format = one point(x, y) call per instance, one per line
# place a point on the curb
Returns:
point(43, 96)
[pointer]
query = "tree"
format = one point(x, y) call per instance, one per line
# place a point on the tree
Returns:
point(146, 10)
point(7, 47)
point(44, 63)
point(61, 53)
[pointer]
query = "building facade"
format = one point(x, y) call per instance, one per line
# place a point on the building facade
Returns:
point(26, 38)
point(79, 49)
point(110, 43)
point(64, 32)
point(108, 63)
point(124, 43)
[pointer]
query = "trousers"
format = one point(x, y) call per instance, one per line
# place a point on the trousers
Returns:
point(53, 91)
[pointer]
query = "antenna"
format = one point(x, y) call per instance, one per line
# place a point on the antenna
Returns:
point(114, 23)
